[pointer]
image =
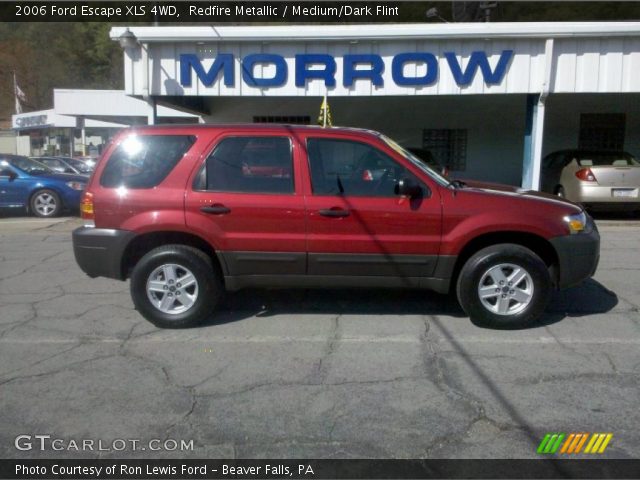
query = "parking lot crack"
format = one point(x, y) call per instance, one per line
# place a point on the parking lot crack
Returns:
point(320, 372)
point(185, 417)
point(566, 346)
point(611, 362)
point(63, 368)
point(629, 378)
point(46, 359)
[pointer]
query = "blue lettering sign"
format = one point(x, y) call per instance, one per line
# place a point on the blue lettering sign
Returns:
point(327, 73)
point(479, 59)
point(249, 62)
point(224, 62)
point(351, 73)
point(397, 67)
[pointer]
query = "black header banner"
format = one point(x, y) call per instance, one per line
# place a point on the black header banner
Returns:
point(318, 469)
point(197, 11)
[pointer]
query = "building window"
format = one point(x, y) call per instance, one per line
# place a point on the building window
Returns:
point(447, 146)
point(602, 131)
point(288, 119)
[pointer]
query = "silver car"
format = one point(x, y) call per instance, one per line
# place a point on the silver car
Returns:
point(593, 178)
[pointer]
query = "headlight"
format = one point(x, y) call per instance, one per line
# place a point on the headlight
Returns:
point(76, 185)
point(578, 223)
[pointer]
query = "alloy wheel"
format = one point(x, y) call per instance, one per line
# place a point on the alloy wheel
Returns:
point(172, 288)
point(505, 289)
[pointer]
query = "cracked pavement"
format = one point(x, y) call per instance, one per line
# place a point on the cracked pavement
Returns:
point(315, 374)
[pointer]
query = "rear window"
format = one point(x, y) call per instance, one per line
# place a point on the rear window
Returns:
point(144, 161)
point(615, 159)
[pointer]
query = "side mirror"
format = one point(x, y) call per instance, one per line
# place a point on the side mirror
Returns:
point(8, 173)
point(408, 188)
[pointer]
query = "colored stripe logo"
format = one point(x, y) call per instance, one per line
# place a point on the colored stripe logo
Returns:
point(573, 443)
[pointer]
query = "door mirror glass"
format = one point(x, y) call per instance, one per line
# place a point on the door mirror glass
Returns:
point(408, 188)
point(8, 173)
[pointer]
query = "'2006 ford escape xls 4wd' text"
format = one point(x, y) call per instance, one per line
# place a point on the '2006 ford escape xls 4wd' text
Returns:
point(187, 212)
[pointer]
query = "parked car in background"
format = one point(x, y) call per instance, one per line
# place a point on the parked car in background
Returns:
point(427, 157)
point(29, 184)
point(88, 161)
point(65, 165)
point(83, 166)
point(593, 178)
point(188, 212)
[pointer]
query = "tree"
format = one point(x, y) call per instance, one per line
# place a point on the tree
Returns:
point(56, 55)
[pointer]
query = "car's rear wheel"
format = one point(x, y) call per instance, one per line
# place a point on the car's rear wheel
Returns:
point(45, 203)
point(504, 286)
point(175, 286)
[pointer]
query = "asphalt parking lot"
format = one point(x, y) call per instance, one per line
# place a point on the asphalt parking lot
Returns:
point(297, 374)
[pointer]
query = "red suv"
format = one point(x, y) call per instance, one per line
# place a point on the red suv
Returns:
point(187, 212)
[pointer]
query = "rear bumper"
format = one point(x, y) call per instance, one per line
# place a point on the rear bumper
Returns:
point(578, 257)
point(99, 251)
point(600, 194)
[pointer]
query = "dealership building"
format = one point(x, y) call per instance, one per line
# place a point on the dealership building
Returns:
point(81, 122)
point(490, 100)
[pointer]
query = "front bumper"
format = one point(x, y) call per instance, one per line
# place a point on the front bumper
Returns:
point(578, 257)
point(99, 251)
point(71, 199)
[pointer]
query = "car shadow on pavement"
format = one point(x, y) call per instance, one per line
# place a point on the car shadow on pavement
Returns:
point(590, 297)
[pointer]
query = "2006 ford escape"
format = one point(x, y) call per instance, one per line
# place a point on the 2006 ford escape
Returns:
point(187, 212)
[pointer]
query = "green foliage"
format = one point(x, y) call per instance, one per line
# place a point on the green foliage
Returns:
point(56, 55)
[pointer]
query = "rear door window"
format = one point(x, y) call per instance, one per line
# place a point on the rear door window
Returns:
point(143, 161)
point(249, 165)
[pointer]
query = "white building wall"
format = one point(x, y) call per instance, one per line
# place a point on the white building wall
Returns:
point(604, 65)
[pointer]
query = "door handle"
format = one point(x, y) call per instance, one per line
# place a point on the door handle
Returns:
point(216, 209)
point(331, 212)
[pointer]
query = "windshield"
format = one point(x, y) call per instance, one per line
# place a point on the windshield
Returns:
point(28, 165)
point(416, 161)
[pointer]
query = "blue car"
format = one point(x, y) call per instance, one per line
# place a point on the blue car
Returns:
point(27, 183)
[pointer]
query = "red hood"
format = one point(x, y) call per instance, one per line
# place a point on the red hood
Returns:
point(490, 187)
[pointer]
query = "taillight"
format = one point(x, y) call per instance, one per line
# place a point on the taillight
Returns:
point(586, 175)
point(86, 206)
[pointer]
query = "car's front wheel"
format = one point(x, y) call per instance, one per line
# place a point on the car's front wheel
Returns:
point(46, 203)
point(175, 286)
point(504, 286)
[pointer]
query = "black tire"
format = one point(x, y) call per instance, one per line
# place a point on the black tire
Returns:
point(500, 258)
point(45, 203)
point(559, 192)
point(207, 282)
